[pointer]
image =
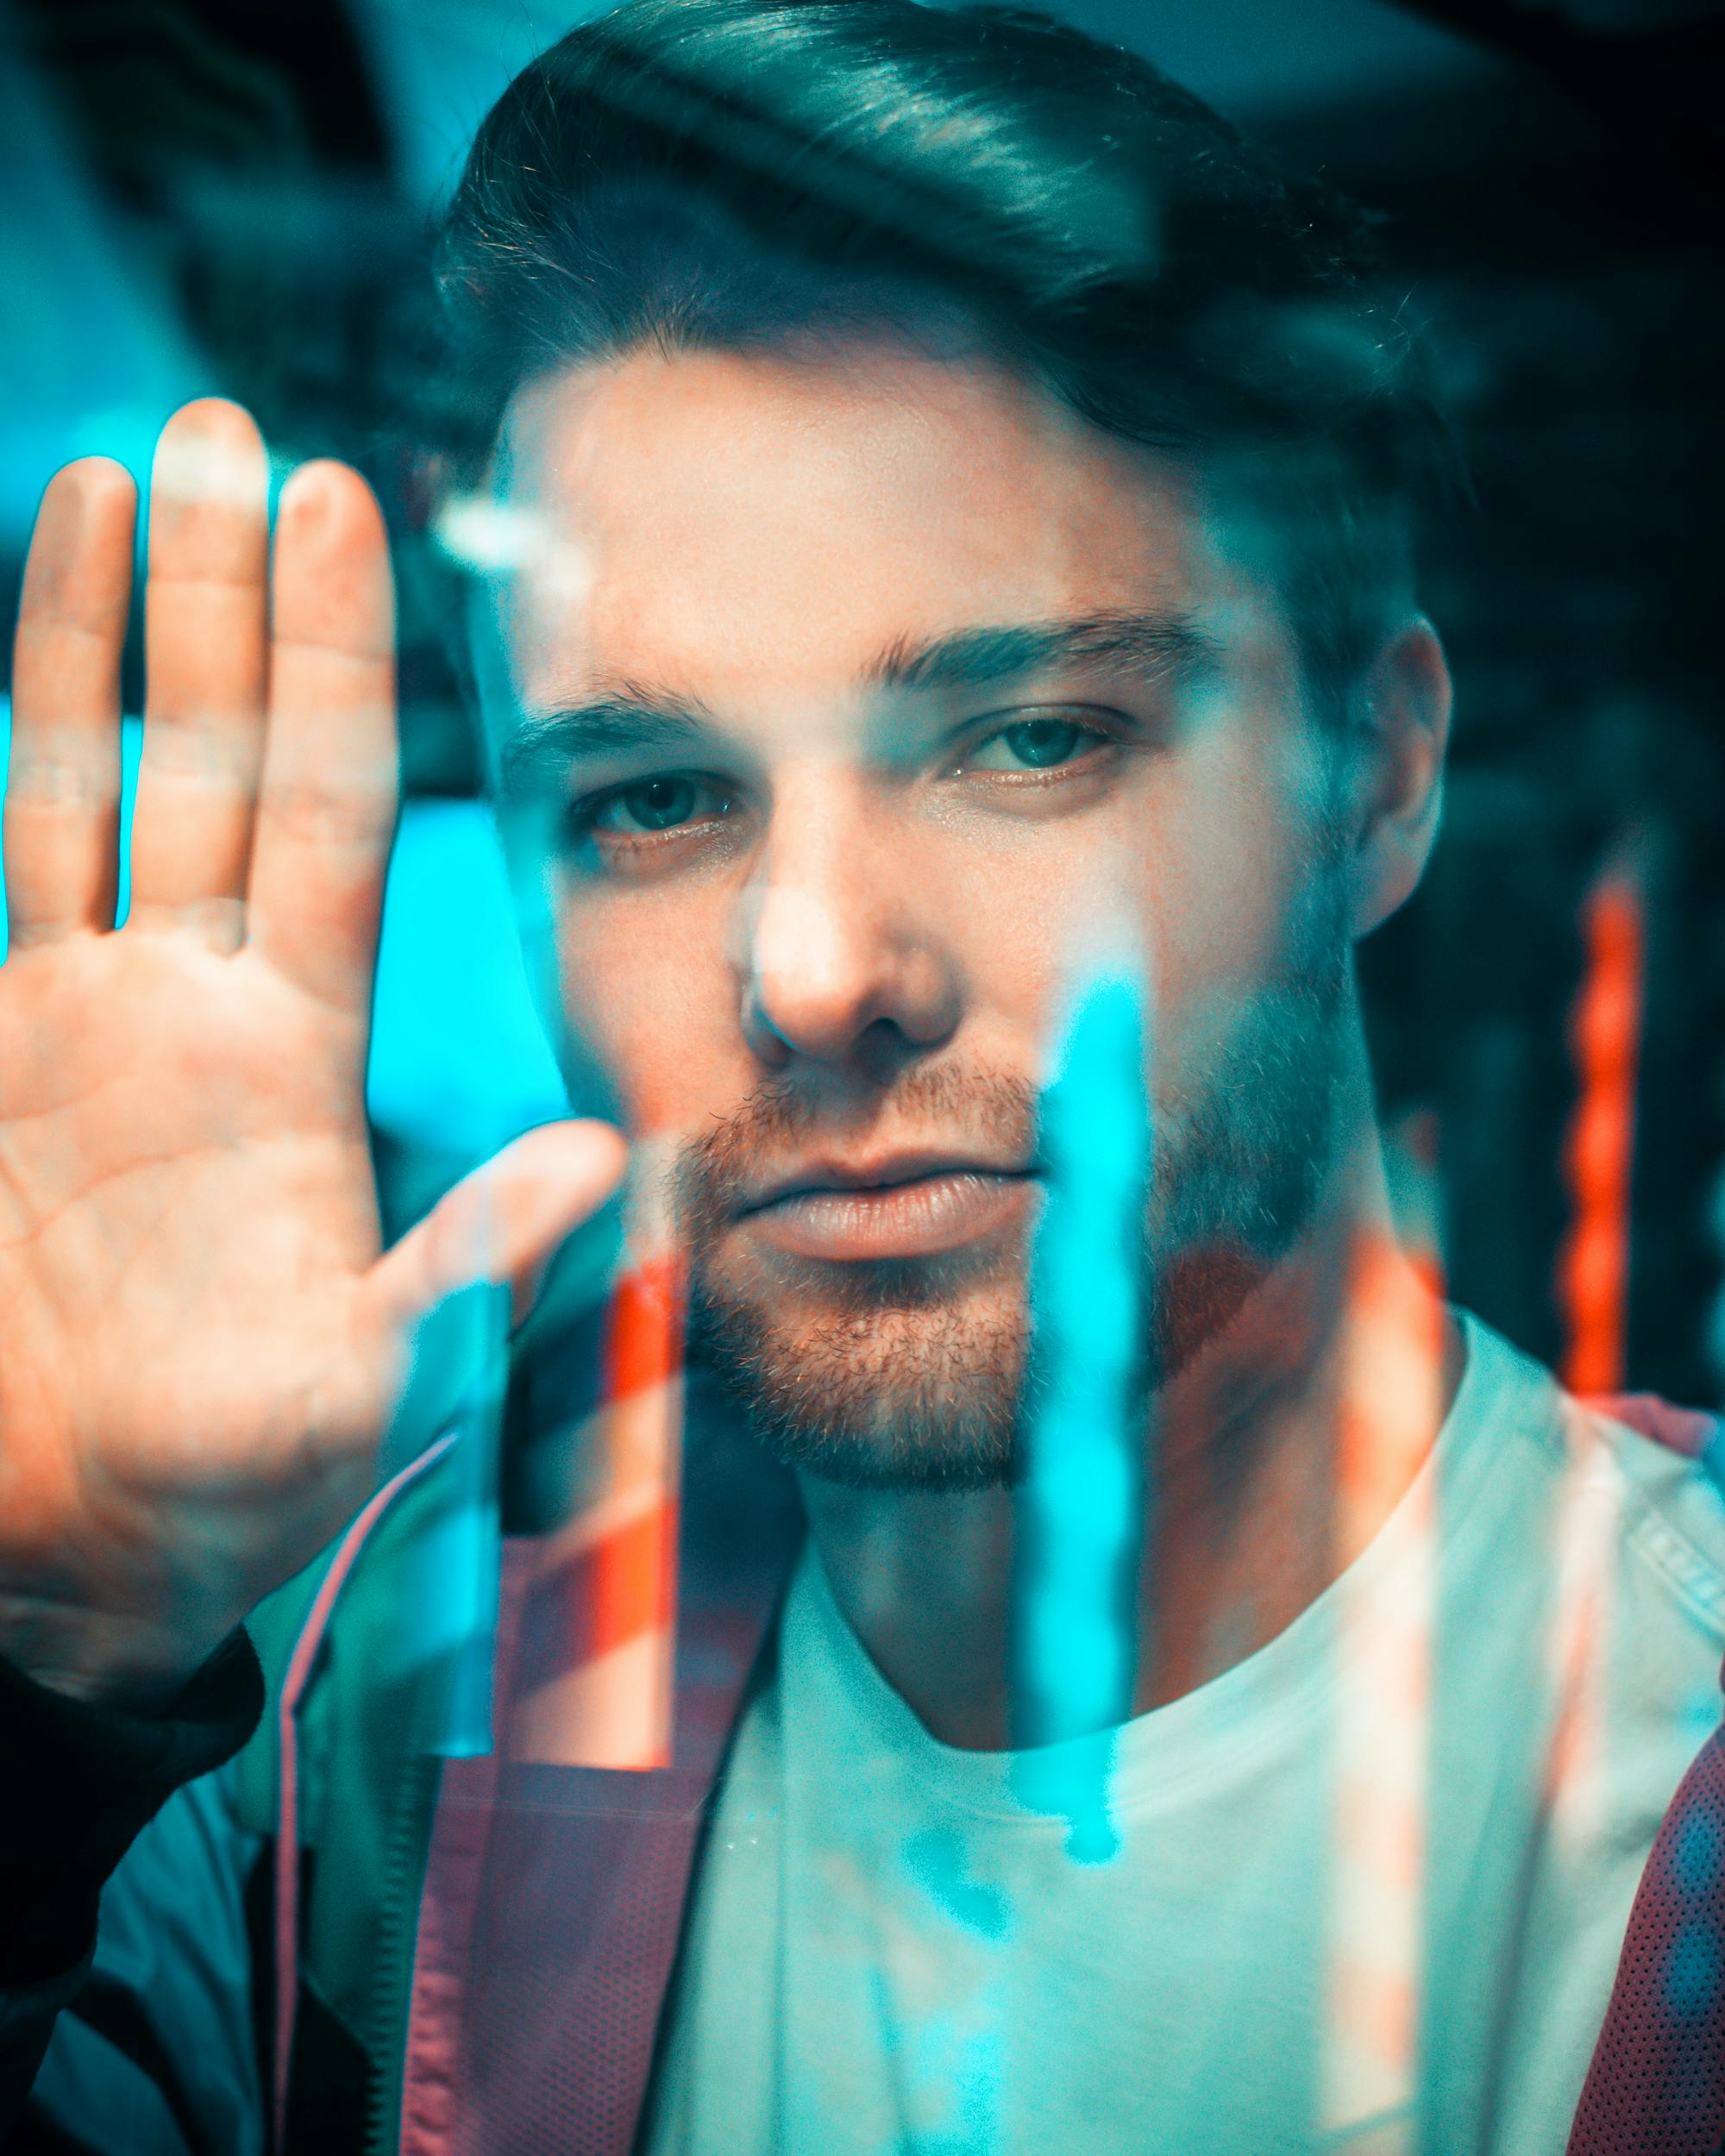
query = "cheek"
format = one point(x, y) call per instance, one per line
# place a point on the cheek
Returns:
point(1227, 849)
point(655, 1006)
point(1196, 877)
point(1009, 915)
point(1214, 903)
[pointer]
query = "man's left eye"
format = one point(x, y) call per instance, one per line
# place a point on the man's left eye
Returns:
point(1034, 744)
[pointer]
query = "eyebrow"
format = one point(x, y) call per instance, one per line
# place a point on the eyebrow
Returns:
point(632, 720)
point(1170, 646)
point(627, 721)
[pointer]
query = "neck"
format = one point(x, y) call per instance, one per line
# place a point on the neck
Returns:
point(1277, 1455)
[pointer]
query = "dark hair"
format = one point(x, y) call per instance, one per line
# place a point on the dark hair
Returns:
point(727, 173)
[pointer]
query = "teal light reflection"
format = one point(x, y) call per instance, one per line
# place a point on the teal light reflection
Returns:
point(1083, 1505)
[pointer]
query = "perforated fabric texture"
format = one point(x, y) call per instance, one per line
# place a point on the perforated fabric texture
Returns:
point(577, 1909)
point(581, 1916)
point(1656, 2086)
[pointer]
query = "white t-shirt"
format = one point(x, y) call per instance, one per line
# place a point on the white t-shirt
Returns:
point(890, 1954)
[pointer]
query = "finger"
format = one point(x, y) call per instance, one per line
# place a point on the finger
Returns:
point(502, 1222)
point(204, 655)
point(326, 810)
point(63, 791)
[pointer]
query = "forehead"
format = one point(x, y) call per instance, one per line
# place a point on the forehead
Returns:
point(745, 528)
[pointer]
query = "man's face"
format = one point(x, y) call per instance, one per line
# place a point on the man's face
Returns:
point(877, 691)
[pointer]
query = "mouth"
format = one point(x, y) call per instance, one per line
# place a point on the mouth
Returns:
point(906, 1205)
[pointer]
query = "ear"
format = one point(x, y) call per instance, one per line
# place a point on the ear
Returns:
point(1402, 728)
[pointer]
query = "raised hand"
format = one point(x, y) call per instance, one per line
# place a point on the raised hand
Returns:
point(200, 1342)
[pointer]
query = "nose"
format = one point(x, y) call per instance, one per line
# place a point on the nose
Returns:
point(843, 954)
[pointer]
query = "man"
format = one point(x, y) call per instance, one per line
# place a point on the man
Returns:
point(962, 502)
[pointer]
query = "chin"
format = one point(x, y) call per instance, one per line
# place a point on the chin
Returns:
point(910, 1392)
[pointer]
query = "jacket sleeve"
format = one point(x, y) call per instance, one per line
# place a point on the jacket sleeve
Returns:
point(141, 2042)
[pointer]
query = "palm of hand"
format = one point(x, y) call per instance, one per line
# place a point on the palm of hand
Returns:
point(202, 1344)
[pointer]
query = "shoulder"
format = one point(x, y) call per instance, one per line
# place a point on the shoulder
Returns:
point(1634, 1475)
point(1666, 1463)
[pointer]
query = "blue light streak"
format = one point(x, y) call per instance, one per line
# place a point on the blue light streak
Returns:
point(1083, 1503)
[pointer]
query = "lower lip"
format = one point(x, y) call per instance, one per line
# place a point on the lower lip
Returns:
point(909, 1219)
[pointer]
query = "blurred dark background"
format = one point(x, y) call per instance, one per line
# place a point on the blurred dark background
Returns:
point(232, 194)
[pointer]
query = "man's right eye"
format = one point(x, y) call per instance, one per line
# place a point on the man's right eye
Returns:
point(650, 805)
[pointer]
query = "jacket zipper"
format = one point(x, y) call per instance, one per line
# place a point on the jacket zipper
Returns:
point(398, 1913)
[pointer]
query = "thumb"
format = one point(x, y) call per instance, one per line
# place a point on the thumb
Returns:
point(500, 1222)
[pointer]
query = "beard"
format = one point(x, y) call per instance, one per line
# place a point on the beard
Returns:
point(917, 1374)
